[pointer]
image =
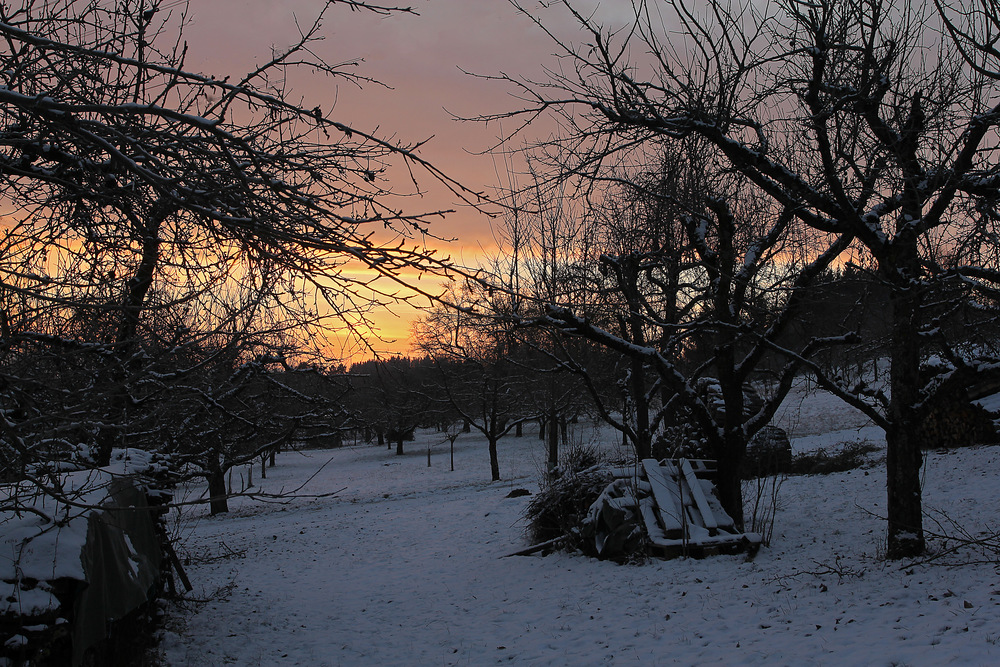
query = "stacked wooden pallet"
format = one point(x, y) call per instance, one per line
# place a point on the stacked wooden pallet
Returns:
point(682, 514)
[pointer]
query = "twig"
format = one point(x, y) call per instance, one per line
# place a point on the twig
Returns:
point(824, 569)
point(535, 548)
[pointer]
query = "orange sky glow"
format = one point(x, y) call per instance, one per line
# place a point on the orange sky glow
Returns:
point(423, 60)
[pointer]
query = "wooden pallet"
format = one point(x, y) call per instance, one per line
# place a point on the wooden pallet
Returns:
point(683, 515)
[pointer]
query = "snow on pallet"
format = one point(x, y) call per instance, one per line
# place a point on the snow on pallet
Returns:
point(683, 514)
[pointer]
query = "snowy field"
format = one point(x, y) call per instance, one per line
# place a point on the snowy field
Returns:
point(404, 567)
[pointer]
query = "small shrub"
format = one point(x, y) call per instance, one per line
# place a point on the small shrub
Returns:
point(761, 495)
point(768, 453)
point(578, 458)
point(848, 456)
point(567, 493)
point(561, 505)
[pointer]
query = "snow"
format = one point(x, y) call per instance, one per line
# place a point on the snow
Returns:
point(33, 547)
point(41, 538)
point(406, 567)
point(990, 403)
point(818, 420)
point(26, 603)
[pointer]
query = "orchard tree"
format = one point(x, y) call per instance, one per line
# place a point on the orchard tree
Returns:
point(866, 119)
point(536, 262)
point(474, 349)
point(389, 398)
point(683, 283)
point(230, 412)
point(148, 206)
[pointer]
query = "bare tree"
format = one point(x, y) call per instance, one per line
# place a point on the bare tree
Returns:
point(473, 347)
point(540, 244)
point(690, 295)
point(151, 209)
point(868, 119)
point(389, 398)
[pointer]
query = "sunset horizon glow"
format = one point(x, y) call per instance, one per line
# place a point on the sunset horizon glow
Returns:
point(423, 63)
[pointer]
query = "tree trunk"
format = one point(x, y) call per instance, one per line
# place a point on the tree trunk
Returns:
point(625, 423)
point(106, 439)
point(728, 481)
point(553, 461)
point(218, 498)
point(519, 430)
point(131, 309)
point(137, 287)
point(643, 439)
point(733, 445)
point(903, 456)
point(494, 459)
point(399, 445)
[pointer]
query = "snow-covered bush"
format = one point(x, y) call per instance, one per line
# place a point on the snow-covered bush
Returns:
point(849, 456)
point(566, 494)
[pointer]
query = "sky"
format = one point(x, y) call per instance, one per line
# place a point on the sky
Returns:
point(423, 60)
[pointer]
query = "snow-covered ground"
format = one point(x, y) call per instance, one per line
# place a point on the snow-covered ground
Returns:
point(404, 567)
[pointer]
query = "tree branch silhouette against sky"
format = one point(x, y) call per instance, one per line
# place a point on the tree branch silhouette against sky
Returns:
point(422, 69)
